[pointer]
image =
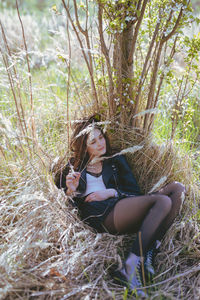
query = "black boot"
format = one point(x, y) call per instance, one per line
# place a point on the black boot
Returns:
point(149, 261)
point(130, 275)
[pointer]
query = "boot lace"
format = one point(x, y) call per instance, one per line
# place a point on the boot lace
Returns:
point(138, 272)
point(149, 261)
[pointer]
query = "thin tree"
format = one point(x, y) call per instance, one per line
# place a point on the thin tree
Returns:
point(137, 42)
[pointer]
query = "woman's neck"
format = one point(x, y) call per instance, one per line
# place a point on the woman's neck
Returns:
point(95, 167)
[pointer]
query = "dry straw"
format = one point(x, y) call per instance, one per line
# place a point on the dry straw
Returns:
point(48, 253)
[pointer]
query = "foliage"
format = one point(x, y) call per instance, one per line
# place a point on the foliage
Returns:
point(136, 43)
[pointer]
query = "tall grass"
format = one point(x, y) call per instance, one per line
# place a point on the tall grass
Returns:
point(46, 252)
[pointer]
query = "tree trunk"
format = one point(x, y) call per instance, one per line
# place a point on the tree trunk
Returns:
point(123, 69)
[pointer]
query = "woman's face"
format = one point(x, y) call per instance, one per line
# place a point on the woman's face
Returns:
point(96, 143)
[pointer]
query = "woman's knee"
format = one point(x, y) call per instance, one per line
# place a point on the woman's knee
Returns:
point(177, 187)
point(178, 197)
point(165, 202)
point(178, 192)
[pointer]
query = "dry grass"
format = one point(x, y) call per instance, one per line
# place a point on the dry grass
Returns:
point(48, 253)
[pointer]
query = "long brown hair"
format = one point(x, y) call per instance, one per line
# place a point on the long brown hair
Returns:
point(79, 139)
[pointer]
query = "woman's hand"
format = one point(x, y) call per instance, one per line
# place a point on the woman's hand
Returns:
point(72, 182)
point(100, 195)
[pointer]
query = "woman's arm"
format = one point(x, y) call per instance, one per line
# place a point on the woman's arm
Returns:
point(101, 195)
point(72, 182)
point(65, 178)
point(125, 182)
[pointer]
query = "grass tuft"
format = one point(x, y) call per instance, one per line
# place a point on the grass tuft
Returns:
point(48, 253)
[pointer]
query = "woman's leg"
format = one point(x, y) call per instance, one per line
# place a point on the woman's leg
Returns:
point(141, 213)
point(152, 215)
point(176, 191)
point(129, 213)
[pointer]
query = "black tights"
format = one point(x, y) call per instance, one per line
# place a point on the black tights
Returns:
point(151, 215)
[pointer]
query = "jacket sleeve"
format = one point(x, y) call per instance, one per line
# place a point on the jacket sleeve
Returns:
point(127, 184)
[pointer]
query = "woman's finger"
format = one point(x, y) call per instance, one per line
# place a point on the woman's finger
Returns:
point(69, 177)
point(76, 174)
point(73, 176)
point(91, 197)
point(88, 198)
point(69, 181)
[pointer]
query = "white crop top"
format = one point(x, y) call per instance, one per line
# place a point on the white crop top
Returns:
point(94, 184)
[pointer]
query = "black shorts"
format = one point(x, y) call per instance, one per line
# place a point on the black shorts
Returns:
point(94, 213)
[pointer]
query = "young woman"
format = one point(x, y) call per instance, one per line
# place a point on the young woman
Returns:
point(108, 197)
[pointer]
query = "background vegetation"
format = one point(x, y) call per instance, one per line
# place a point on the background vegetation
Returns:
point(46, 252)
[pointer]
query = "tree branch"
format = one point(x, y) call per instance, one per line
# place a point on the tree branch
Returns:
point(152, 85)
point(138, 92)
point(77, 19)
point(132, 50)
point(166, 38)
point(88, 63)
point(105, 52)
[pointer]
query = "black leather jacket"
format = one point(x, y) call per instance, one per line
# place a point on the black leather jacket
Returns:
point(116, 173)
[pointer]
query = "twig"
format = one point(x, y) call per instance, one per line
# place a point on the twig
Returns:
point(68, 83)
point(105, 52)
point(88, 62)
point(132, 50)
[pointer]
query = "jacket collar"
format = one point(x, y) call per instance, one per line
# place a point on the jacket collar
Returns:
point(82, 181)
